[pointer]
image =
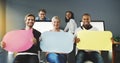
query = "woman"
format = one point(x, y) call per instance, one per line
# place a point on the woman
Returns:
point(56, 57)
point(71, 24)
point(70, 27)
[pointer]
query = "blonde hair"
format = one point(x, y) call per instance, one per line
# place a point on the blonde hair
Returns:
point(55, 17)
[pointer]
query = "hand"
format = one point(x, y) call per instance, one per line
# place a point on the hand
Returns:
point(15, 54)
point(2, 44)
point(77, 40)
point(34, 40)
point(46, 53)
point(112, 40)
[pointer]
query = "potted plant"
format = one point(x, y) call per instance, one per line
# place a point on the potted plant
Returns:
point(116, 38)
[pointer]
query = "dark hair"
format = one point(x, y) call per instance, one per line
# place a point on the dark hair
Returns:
point(43, 10)
point(86, 14)
point(29, 15)
point(72, 16)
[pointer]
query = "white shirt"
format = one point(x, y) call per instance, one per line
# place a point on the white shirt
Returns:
point(79, 29)
point(71, 26)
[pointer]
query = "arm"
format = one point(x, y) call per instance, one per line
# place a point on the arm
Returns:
point(73, 25)
point(66, 28)
point(77, 40)
point(2, 44)
point(34, 40)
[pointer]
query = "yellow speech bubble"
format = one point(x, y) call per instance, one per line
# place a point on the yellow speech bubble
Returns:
point(94, 40)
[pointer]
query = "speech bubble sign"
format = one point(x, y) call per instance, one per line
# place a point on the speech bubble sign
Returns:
point(18, 40)
point(94, 40)
point(60, 42)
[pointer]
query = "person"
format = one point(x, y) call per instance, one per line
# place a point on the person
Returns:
point(53, 57)
point(42, 16)
point(30, 55)
point(84, 55)
point(71, 24)
point(70, 27)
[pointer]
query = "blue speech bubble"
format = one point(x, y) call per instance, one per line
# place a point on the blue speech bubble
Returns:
point(59, 42)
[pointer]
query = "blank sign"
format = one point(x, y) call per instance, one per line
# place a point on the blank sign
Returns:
point(60, 42)
point(43, 26)
point(18, 40)
point(95, 40)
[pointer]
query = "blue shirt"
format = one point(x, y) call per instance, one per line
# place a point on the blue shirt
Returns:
point(37, 19)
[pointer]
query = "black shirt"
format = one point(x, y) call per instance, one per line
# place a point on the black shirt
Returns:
point(35, 47)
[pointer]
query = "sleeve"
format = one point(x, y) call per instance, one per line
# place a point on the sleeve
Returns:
point(39, 39)
point(47, 18)
point(73, 25)
point(75, 34)
point(37, 35)
point(66, 28)
point(76, 31)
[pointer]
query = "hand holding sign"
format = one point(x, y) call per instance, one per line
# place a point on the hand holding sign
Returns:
point(95, 40)
point(60, 42)
point(19, 40)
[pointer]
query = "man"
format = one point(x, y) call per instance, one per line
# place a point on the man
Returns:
point(42, 16)
point(30, 55)
point(84, 55)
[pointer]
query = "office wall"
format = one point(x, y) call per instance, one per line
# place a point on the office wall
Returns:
point(107, 10)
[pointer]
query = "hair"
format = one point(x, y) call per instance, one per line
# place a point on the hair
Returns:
point(72, 16)
point(86, 14)
point(28, 16)
point(55, 17)
point(43, 10)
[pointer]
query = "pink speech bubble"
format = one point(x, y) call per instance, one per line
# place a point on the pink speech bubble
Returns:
point(19, 40)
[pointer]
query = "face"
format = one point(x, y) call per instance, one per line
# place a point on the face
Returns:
point(42, 14)
point(56, 23)
point(68, 15)
point(86, 20)
point(30, 21)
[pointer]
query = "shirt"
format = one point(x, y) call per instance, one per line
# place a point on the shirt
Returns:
point(71, 26)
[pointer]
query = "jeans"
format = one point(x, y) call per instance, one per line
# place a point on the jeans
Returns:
point(56, 58)
point(93, 56)
point(71, 56)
